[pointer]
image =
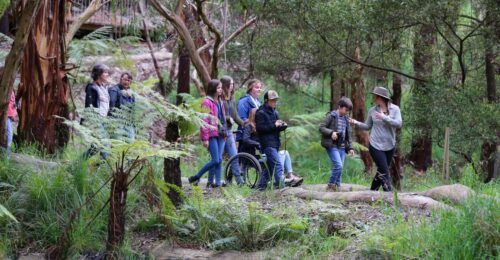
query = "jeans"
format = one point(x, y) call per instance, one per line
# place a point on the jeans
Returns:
point(214, 166)
point(337, 157)
point(230, 148)
point(10, 133)
point(286, 161)
point(274, 166)
point(383, 160)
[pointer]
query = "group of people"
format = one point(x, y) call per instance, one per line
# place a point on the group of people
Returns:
point(105, 99)
point(383, 120)
point(259, 127)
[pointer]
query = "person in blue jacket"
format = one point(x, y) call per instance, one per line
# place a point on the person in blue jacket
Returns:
point(248, 102)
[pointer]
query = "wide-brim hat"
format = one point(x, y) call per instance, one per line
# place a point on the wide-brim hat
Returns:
point(271, 95)
point(381, 91)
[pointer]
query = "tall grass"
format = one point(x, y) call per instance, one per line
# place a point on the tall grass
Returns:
point(470, 231)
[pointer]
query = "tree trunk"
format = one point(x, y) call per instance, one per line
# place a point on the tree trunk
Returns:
point(489, 148)
point(13, 60)
point(116, 218)
point(185, 35)
point(421, 150)
point(334, 89)
point(172, 168)
point(396, 169)
point(358, 93)
point(44, 89)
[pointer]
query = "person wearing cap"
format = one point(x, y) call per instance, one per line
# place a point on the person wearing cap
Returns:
point(268, 127)
point(335, 138)
point(382, 121)
point(248, 102)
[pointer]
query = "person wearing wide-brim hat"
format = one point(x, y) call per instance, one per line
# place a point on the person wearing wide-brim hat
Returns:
point(382, 121)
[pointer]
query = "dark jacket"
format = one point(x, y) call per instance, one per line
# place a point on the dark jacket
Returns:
point(328, 126)
point(116, 98)
point(91, 95)
point(269, 134)
point(250, 140)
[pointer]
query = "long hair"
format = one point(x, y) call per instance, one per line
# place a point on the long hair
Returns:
point(251, 119)
point(226, 84)
point(212, 87)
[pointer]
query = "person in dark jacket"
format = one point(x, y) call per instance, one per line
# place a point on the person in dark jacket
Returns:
point(97, 96)
point(269, 127)
point(232, 118)
point(121, 95)
point(335, 138)
point(248, 102)
point(250, 141)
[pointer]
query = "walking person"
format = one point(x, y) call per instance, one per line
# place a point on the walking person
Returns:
point(268, 127)
point(383, 120)
point(120, 95)
point(213, 134)
point(335, 138)
point(232, 118)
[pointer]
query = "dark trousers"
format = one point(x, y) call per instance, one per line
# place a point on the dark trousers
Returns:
point(383, 160)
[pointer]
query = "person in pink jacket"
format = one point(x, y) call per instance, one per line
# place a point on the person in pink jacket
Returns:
point(11, 118)
point(213, 134)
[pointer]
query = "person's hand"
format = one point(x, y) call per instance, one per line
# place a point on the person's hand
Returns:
point(334, 136)
point(205, 144)
point(379, 115)
point(351, 152)
point(279, 123)
point(352, 121)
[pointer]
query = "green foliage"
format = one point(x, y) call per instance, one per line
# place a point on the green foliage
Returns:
point(227, 224)
point(469, 232)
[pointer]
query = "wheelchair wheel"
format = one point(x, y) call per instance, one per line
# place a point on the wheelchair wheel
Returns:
point(249, 166)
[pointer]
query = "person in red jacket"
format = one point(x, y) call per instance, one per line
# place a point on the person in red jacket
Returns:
point(11, 118)
point(213, 134)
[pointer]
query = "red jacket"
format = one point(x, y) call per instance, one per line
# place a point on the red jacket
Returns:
point(11, 111)
point(212, 120)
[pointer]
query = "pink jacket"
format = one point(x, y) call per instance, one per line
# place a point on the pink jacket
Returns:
point(212, 120)
point(11, 111)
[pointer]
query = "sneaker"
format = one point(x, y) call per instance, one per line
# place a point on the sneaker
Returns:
point(331, 187)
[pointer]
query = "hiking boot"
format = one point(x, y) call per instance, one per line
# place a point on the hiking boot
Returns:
point(193, 180)
point(297, 180)
point(331, 187)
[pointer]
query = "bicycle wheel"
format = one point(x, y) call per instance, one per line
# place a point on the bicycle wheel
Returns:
point(250, 169)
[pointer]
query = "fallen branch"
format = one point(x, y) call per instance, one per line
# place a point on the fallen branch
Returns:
point(410, 200)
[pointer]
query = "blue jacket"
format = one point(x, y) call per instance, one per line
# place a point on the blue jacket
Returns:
point(269, 134)
point(245, 105)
